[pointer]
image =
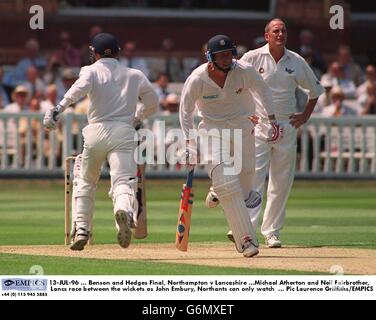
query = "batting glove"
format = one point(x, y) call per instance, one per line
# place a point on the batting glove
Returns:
point(52, 117)
point(137, 123)
point(275, 132)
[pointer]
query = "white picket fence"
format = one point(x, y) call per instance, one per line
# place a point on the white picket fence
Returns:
point(328, 148)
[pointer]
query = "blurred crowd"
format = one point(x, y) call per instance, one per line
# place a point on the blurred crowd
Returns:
point(184, 4)
point(39, 80)
point(47, 77)
point(44, 79)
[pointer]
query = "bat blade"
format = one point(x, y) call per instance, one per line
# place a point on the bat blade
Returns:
point(141, 230)
point(184, 216)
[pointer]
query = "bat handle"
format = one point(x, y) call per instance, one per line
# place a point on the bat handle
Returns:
point(190, 178)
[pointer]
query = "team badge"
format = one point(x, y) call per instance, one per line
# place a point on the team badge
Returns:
point(239, 91)
point(107, 52)
point(261, 70)
point(222, 42)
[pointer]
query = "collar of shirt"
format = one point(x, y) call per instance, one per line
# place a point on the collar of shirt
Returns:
point(108, 60)
point(210, 81)
point(265, 50)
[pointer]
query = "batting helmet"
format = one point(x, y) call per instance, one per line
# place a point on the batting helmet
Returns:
point(105, 44)
point(220, 43)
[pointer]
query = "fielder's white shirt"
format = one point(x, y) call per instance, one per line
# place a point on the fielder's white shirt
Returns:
point(114, 91)
point(218, 104)
point(283, 78)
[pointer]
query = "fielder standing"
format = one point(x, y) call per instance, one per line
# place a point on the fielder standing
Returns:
point(221, 90)
point(283, 70)
point(114, 91)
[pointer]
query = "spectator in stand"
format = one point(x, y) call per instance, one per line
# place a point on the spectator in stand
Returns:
point(351, 70)
point(324, 99)
point(129, 59)
point(337, 76)
point(69, 77)
point(338, 108)
point(307, 54)
point(241, 50)
point(53, 72)
point(201, 60)
point(306, 39)
point(259, 42)
point(172, 103)
point(172, 66)
point(32, 58)
point(31, 129)
point(368, 100)
point(370, 78)
point(19, 98)
point(67, 55)
point(34, 106)
point(173, 137)
point(85, 49)
point(34, 83)
point(4, 90)
point(51, 98)
point(160, 87)
point(300, 94)
point(19, 104)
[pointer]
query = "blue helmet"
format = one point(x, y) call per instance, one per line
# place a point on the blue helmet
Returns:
point(220, 43)
point(105, 44)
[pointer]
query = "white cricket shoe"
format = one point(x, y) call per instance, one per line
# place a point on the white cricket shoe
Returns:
point(273, 242)
point(211, 199)
point(123, 225)
point(79, 240)
point(250, 249)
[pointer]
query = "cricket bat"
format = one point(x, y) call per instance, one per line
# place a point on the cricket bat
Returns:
point(141, 230)
point(185, 212)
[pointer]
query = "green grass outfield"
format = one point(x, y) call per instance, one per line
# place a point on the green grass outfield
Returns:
point(324, 213)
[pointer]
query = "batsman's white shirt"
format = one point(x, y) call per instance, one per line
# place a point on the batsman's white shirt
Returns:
point(113, 90)
point(283, 78)
point(219, 104)
point(226, 110)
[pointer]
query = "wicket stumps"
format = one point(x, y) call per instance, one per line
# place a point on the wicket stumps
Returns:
point(68, 197)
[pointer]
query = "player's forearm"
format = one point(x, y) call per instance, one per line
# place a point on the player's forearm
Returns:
point(150, 102)
point(78, 90)
point(187, 126)
point(186, 122)
point(310, 107)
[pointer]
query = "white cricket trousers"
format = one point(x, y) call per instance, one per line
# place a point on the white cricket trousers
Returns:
point(112, 141)
point(230, 149)
point(279, 159)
